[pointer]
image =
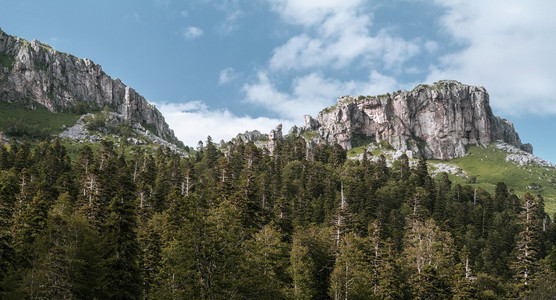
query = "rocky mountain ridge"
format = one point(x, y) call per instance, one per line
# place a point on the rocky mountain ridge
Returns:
point(35, 72)
point(436, 121)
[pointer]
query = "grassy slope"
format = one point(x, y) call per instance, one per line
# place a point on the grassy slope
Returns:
point(490, 167)
point(54, 122)
point(40, 116)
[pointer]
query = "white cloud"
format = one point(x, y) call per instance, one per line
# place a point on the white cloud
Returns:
point(508, 47)
point(192, 32)
point(194, 121)
point(336, 34)
point(311, 93)
point(227, 75)
point(312, 12)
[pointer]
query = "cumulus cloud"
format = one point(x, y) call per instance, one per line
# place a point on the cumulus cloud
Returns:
point(336, 34)
point(194, 121)
point(192, 32)
point(311, 93)
point(311, 13)
point(508, 47)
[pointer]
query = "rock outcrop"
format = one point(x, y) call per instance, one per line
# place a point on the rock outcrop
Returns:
point(274, 137)
point(521, 157)
point(436, 121)
point(34, 72)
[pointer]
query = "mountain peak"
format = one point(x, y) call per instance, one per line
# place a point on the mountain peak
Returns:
point(35, 72)
point(437, 121)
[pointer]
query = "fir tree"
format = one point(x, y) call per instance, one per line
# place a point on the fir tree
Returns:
point(527, 244)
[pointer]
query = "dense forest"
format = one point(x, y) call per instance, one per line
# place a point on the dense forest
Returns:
point(233, 222)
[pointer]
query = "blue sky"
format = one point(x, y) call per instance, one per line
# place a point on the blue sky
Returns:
point(224, 67)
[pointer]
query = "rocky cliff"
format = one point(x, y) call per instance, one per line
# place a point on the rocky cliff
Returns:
point(34, 72)
point(437, 121)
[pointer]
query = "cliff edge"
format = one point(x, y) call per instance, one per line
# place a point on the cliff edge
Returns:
point(35, 72)
point(436, 121)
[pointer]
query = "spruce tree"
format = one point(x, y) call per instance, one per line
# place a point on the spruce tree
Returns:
point(527, 245)
point(121, 278)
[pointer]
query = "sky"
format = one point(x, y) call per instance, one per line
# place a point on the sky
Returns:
point(219, 68)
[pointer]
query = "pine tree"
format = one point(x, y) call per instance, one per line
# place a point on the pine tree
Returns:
point(337, 155)
point(266, 262)
point(429, 256)
point(301, 269)
point(422, 171)
point(463, 282)
point(311, 262)
point(210, 153)
point(121, 272)
point(53, 275)
point(350, 271)
point(217, 244)
point(8, 190)
point(501, 196)
point(6, 159)
point(150, 244)
point(402, 167)
point(527, 244)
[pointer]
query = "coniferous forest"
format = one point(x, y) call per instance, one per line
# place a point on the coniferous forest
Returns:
point(236, 223)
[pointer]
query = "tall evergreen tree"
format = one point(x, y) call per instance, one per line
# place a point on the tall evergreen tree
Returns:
point(527, 244)
point(121, 254)
point(8, 190)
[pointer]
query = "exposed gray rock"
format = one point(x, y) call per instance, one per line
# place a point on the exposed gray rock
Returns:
point(521, 157)
point(79, 132)
point(435, 121)
point(439, 168)
point(310, 123)
point(294, 131)
point(274, 137)
point(250, 136)
point(34, 72)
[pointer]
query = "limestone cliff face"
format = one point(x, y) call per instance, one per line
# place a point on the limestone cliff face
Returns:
point(34, 72)
point(437, 121)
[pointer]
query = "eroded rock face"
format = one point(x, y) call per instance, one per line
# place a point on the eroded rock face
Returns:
point(436, 121)
point(274, 137)
point(34, 72)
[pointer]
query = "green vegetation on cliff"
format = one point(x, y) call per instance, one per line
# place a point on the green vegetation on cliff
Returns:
point(33, 121)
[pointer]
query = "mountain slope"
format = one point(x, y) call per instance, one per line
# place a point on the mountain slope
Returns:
point(449, 123)
point(436, 121)
point(33, 72)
